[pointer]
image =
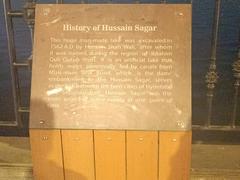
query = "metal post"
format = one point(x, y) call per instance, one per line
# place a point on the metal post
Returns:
point(212, 76)
point(236, 70)
point(12, 58)
point(59, 1)
point(29, 17)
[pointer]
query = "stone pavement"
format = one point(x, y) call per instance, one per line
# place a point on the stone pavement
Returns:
point(209, 162)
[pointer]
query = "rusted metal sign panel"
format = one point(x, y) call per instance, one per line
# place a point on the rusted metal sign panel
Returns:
point(112, 67)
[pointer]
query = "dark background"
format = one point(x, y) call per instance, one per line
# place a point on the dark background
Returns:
point(203, 13)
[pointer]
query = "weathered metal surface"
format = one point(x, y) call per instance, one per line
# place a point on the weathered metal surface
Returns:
point(116, 67)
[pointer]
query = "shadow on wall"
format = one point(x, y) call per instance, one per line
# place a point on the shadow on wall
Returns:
point(178, 157)
point(47, 149)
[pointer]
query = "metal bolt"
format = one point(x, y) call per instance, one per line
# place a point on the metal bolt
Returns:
point(41, 121)
point(109, 139)
point(44, 138)
point(76, 139)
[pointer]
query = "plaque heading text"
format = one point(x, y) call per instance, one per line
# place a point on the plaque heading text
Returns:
point(110, 28)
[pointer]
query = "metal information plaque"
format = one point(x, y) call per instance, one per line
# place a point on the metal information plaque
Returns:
point(112, 67)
